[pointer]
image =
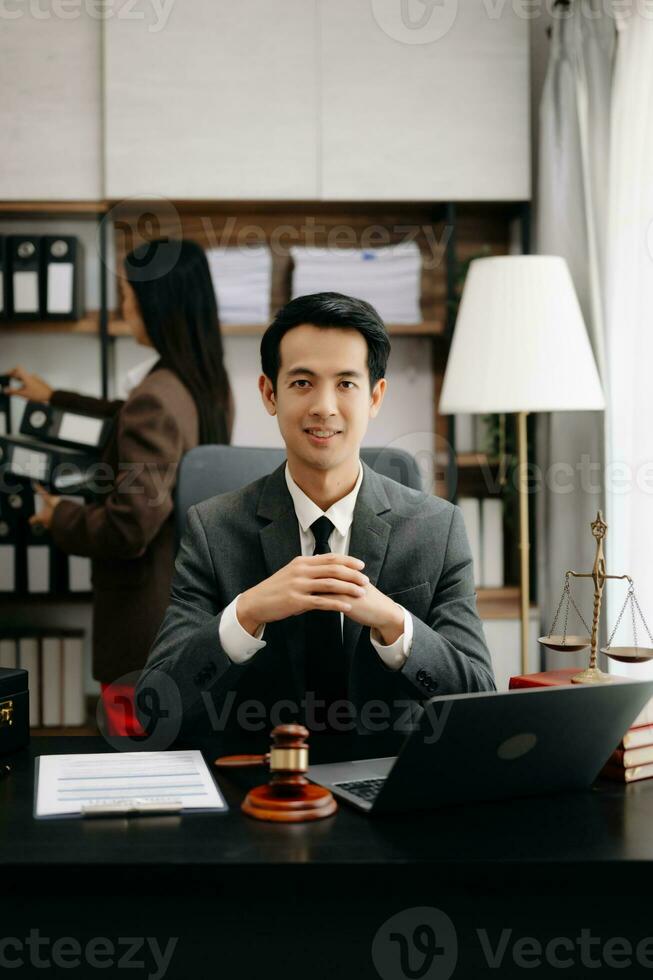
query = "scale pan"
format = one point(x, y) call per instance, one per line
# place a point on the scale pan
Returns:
point(568, 644)
point(628, 655)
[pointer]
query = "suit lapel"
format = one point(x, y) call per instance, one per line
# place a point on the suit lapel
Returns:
point(281, 543)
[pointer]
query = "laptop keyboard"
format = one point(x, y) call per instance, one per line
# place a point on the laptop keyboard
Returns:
point(366, 789)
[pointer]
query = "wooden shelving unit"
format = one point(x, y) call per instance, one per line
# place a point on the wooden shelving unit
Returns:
point(473, 460)
point(56, 208)
point(41, 598)
point(90, 324)
point(500, 603)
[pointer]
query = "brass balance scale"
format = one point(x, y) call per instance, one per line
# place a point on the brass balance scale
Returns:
point(564, 643)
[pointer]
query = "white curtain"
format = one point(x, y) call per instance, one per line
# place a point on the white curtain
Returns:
point(629, 332)
point(571, 218)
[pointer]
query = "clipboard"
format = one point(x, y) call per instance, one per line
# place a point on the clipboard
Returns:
point(124, 784)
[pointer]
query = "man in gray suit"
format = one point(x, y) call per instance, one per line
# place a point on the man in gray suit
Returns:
point(323, 593)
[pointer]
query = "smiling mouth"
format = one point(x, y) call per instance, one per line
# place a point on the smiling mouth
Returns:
point(322, 435)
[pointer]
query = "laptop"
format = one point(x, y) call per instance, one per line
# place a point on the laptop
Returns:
point(494, 745)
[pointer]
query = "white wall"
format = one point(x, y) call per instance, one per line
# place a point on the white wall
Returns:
point(255, 99)
point(402, 119)
point(221, 102)
point(50, 107)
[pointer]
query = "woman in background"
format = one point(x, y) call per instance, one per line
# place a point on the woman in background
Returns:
point(183, 399)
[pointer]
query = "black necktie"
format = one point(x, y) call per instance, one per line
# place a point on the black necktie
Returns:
point(325, 659)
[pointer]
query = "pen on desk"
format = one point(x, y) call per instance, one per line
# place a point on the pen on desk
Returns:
point(131, 808)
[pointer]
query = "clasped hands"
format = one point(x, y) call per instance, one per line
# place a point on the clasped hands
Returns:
point(328, 582)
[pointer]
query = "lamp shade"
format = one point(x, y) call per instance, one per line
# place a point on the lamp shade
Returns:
point(520, 343)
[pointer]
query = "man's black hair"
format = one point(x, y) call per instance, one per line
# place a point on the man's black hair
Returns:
point(328, 310)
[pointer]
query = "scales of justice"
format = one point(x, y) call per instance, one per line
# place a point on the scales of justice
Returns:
point(564, 643)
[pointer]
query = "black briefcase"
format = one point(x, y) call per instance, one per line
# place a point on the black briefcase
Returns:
point(14, 709)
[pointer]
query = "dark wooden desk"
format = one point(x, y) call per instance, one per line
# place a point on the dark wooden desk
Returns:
point(249, 899)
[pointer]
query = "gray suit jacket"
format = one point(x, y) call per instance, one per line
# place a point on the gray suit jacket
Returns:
point(415, 550)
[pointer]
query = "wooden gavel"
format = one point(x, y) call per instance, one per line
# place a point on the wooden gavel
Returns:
point(288, 797)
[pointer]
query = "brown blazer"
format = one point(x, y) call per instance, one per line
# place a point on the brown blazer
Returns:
point(129, 533)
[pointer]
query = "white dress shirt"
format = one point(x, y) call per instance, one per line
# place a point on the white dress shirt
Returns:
point(239, 645)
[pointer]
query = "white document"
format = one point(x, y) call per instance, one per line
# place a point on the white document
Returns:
point(26, 292)
point(52, 680)
point(8, 653)
point(60, 287)
point(492, 546)
point(242, 279)
point(388, 277)
point(79, 574)
point(30, 463)
point(38, 568)
point(74, 708)
point(80, 428)
point(66, 783)
point(465, 435)
point(7, 568)
point(28, 659)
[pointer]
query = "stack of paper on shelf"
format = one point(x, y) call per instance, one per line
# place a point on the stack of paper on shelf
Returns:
point(242, 280)
point(388, 277)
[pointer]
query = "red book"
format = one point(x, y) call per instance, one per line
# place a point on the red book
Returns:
point(558, 678)
point(546, 678)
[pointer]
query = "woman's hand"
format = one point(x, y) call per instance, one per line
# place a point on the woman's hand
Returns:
point(49, 502)
point(33, 388)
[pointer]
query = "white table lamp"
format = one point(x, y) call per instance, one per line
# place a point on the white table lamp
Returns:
point(520, 345)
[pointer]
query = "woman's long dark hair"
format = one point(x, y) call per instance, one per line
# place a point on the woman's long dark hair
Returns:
point(175, 294)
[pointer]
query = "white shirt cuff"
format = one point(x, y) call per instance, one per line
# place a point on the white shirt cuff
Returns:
point(396, 654)
point(239, 645)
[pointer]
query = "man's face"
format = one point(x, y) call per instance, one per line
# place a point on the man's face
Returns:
point(323, 400)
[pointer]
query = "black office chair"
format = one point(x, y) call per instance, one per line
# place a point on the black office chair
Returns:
point(212, 469)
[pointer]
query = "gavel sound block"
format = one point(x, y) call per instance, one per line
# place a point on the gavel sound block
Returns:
point(288, 797)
